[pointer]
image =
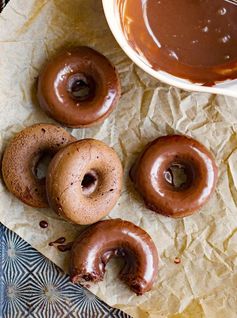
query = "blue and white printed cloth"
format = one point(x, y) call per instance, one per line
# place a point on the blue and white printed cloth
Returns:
point(33, 287)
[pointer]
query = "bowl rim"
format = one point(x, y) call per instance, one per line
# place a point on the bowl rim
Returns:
point(223, 88)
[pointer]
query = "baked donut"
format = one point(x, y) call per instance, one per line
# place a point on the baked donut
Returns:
point(96, 245)
point(154, 175)
point(84, 181)
point(22, 156)
point(79, 87)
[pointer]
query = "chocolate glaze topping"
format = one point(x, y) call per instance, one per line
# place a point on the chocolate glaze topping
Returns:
point(43, 224)
point(65, 247)
point(60, 240)
point(192, 39)
point(153, 175)
point(115, 238)
point(79, 87)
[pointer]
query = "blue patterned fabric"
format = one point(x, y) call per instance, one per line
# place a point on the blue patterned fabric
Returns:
point(2, 4)
point(32, 286)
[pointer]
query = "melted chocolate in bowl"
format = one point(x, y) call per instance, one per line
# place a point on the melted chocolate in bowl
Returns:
point(191, 39)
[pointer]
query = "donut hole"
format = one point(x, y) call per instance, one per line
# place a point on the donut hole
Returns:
point(40, 166)
point(89, 182)
point(81, 87)
point(179, 175)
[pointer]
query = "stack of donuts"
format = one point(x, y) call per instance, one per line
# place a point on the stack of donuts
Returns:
point(80, 88)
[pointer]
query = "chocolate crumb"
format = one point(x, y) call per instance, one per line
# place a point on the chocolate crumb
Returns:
point(177, 260)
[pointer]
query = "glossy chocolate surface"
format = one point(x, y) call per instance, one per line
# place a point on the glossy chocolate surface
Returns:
point(43, 224)
point(60, 240)
point(191, 39)
point(65, 247)
point(79, 87)
point(115, 238)
point(149, 175)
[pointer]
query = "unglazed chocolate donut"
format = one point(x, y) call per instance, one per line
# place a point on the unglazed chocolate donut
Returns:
point(79, 87)
point(153, 175)
point(84, 181)
point(21, 157)
point(96, 245)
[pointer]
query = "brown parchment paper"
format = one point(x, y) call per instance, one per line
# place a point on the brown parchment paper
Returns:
point(204, 283)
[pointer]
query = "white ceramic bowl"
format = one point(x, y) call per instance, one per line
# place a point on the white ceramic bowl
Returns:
point(112, 15)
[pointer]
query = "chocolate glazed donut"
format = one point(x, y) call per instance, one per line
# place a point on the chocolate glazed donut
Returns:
point(84, 181)
point(96, 245)
point(79, 87)
point(21, 158)
point(154, 175)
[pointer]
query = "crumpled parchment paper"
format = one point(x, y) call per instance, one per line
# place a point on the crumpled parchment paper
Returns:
point(204, 284)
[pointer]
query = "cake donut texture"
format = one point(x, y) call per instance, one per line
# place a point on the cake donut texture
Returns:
point(22, 156)
point(84, 181)
point(154, 178)
point(96, 245)
point(79, 87)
